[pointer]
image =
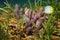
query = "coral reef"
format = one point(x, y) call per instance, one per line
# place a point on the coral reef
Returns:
point(30, 23)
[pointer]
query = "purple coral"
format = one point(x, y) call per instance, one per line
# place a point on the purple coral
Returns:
point(30, 13)
point(40, 12)
point(31, 16)
point(18, 12)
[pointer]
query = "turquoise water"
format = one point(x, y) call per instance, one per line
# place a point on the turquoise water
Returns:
point(16, 1)
point(24, 3)
point(13, 2)
point(20, 2)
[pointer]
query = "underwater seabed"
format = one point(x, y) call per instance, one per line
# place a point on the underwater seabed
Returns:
point(41, 22)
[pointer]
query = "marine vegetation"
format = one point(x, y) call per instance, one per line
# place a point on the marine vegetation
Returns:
point(39, 20)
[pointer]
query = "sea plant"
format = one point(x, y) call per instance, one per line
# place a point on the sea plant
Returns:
point(47, 25)
point(29, 4)
point(49, 28)
point(40, 35)
point(7, 8)
point(3, 32)
point(36, 3)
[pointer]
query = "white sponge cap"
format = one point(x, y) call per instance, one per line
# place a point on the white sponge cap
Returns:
point(48, 10)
